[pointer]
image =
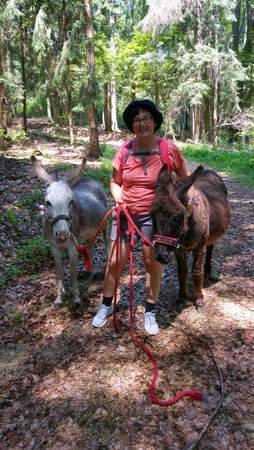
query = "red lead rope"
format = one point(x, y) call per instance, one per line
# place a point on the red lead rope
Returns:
point(195, 395)
point(138, 342)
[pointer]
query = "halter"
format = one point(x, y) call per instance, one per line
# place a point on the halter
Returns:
point(165, 240)
point(57, 218)
point(44, 212)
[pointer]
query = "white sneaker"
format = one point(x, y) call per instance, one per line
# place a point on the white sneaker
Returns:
point(150, 324)
point(101, 317)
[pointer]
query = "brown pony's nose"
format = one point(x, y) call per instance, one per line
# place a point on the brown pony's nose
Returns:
point(162, 255)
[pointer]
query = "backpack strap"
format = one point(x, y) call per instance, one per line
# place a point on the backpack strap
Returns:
point(163, 149)
point(126, 151)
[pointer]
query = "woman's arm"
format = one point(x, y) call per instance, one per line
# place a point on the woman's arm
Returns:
point(115, 186)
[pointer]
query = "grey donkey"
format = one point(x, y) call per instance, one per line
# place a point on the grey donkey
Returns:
point(74, 208)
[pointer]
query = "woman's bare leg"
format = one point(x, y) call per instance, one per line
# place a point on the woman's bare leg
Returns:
point(111, 269)
point(153, 274)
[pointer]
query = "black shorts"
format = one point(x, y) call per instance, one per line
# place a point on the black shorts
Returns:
point(144, 224)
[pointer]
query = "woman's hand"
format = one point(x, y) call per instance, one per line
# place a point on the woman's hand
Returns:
point(115, 187)
point(116, 193)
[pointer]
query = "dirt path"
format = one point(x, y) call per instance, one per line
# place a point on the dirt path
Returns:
point(65, 385)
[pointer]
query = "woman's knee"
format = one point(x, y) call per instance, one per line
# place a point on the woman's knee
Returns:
point(119, 257)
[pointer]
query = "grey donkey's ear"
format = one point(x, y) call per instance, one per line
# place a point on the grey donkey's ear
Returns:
point(40, 171)
point(75, 173)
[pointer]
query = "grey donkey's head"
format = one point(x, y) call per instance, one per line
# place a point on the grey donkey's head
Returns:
point(58, 198)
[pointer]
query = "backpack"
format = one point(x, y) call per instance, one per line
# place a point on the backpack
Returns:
point(162, 151)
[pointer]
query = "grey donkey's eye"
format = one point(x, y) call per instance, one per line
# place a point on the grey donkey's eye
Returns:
point(48, 203)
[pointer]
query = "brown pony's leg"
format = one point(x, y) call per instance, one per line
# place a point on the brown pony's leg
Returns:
point(210, 274)
point(197, 275)
point(208, 259)
point(181, 257)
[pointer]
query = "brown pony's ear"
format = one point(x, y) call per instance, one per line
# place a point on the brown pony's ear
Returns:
point(164, 178)
point(75, 173)
point(187, 183)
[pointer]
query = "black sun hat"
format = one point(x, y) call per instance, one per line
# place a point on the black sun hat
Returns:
point(145, 104)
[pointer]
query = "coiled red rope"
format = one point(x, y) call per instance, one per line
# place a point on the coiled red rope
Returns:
point(132, 228)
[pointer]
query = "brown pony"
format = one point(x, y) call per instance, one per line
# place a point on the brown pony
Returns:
point(193, 213)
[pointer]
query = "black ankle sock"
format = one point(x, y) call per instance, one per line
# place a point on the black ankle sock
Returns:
point(107, 301)
point(149, 307)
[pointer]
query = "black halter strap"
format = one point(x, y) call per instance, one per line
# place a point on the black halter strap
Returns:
point(53, 220)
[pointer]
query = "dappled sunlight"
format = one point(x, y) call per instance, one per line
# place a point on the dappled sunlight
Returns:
point(249, 227)
point(242, 202)
point(240, 314)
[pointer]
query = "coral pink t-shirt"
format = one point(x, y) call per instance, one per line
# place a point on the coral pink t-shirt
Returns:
point(139, 177)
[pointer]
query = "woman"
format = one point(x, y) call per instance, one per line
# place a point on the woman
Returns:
point(135, 170)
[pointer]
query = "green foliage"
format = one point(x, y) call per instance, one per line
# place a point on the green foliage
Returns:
point(103, 173)
point(16, 317)
point(30, 200)
point(108, 153)
point(30, 258)
point(175, 67)
point(33, 254)
point(11, 216)
point(36, 103)
point(41, 40)
point(202, 59)
point(238, 161)
point(39, 335)
point(17, 136)
point(9, 273)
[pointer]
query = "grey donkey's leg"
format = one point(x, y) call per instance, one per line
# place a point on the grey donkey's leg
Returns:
point(73, 256)
point(57, 254)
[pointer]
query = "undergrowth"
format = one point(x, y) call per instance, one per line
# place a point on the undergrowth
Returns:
point(237, 162)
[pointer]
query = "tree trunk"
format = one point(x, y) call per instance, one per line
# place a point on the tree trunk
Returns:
point(236, 27)
point(93, 128)
point(49, 109)
point(107, 107)
point(247, 56)
point(196, 110)
point(216, 79)
point(196, 122)
point(156, 90)
point(70, 118)
point(23, 43)
point(113, 105)
point(3, 97)
point(207, 118)
point(250, 28)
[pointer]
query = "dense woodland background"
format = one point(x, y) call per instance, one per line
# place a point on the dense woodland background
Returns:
point(81, 62)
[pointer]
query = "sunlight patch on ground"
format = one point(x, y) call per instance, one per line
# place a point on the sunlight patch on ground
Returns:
point(249, 227)
point(238, 313)
point(242, 202)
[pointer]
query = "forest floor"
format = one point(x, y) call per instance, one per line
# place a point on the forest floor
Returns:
point(68, 386)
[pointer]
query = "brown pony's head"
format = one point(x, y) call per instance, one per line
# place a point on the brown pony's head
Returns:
point(170, 211)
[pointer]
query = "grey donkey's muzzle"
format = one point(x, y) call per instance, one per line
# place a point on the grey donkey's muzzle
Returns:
point(60, 234)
